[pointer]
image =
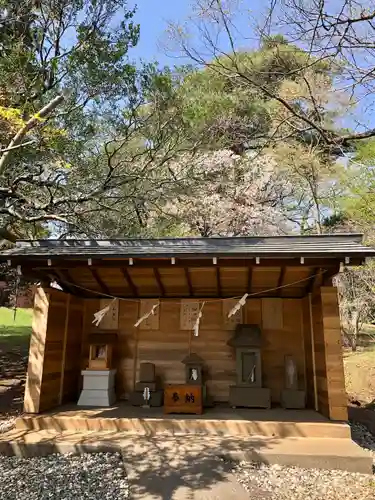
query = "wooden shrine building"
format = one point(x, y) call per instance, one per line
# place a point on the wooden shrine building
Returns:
point(291, 307)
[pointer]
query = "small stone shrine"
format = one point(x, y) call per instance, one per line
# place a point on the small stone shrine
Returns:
point(101, 348)
point(248, 391)
point(145, 392)
point(99, 377)
point(193, 369)
point(291, 396)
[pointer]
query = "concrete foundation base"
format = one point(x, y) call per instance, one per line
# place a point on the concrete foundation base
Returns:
point(98, 388)
point(327, 453)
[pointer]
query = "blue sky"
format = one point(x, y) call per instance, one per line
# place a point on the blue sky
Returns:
point(154, 15)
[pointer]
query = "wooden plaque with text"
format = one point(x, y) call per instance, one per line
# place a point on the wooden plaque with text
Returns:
point(183, 398)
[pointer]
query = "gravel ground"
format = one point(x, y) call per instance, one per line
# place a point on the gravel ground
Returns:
point(364, 438)
point(94, 476)
point(276, 482)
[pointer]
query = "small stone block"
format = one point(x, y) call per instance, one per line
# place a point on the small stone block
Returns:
point(249, 397)
point(140, 386)
point(147, 372)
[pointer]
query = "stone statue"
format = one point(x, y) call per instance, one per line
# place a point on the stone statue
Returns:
point(194, 374)
point(100, 353)
point(292, 397)
point(291, 373)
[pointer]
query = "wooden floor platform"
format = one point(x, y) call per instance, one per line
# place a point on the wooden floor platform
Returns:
point(217, 421)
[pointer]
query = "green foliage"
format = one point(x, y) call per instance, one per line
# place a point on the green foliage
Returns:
point(220, 103)
point(365, 152)
point(78, 48)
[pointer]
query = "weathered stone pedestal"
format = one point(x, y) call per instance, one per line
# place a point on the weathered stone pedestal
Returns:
point(147, 381)
point(156, 398)
point(249, 397)
point(248, 391)
point(98, 388)
point(293, 399)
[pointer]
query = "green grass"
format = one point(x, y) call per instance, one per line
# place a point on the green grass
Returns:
point(18, 326)
point(360, 374)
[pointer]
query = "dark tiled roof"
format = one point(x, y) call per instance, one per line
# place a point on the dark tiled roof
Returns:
point(271, 246)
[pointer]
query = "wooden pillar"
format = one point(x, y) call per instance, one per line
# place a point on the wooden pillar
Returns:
point(308, 339)
point(61, 391)
point(51, 352)
point(36, 351)
point(328, 354)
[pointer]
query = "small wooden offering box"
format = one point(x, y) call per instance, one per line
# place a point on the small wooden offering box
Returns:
point(101, 350)
point(183, 398)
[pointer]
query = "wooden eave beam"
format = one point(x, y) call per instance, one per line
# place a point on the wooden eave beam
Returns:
point(188, 281)
point(205, 296)
point(130, 282)
point(314, 281)
point(218, 282)
point(281, 280)
point(100, 282)
point(69, 281)
point(159, 281)
point(69, 263)
point(60, 279)
point(249, 279)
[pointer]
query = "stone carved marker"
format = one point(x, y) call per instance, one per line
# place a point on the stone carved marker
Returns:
point(291, 396)
point(248, 390)
point(291, 378)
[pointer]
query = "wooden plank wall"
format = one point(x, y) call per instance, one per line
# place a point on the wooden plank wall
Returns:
point(319, 349)
point(167, 346)
point(72, 361)
point(328, 354)
point(53, 348)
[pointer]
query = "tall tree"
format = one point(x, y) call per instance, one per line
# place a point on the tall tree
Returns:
point(69, 103)
point(340, 33)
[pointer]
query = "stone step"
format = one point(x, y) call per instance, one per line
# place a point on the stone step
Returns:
point(171, 425)
point(321, 453)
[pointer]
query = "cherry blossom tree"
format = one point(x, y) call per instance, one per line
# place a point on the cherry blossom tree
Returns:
point(229, 195)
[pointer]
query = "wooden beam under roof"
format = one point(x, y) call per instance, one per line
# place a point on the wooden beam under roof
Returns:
point(188, 280)
point(100, 282)
point(159, 281)
point(60, 280)
point(313, 280)
point(249, 279)
point(130, 282)
point(281, 281)
point(68, 278)
point(218, 281)
point(182, 263)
